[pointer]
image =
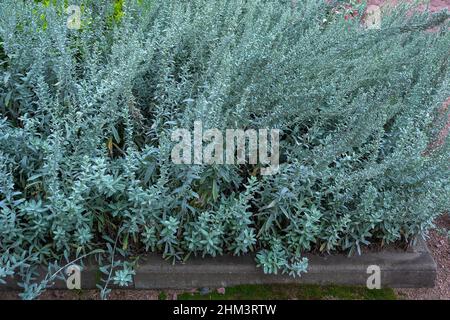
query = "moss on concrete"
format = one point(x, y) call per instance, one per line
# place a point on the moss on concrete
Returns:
point(300, 292)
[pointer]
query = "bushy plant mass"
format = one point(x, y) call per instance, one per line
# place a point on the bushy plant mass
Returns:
point(87, 116)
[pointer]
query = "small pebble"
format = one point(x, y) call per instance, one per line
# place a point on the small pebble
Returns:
point(221, 290)
point(204, 291)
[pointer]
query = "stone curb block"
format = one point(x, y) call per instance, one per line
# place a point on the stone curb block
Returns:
point(414, 268)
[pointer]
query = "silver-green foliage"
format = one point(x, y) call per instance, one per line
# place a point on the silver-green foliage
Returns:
point(86, 117)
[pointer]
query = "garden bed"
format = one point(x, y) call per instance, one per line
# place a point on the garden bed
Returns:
point(90, 164)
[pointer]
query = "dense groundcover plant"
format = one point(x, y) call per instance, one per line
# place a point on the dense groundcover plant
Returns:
point(86, 119)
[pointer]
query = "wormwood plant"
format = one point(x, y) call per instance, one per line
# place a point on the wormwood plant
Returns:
point(86, 118)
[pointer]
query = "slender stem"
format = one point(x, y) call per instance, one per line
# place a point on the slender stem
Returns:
point(112, 263)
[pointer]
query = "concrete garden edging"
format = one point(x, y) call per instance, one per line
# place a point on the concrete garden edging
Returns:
point(414, 268)
point(399, 269)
